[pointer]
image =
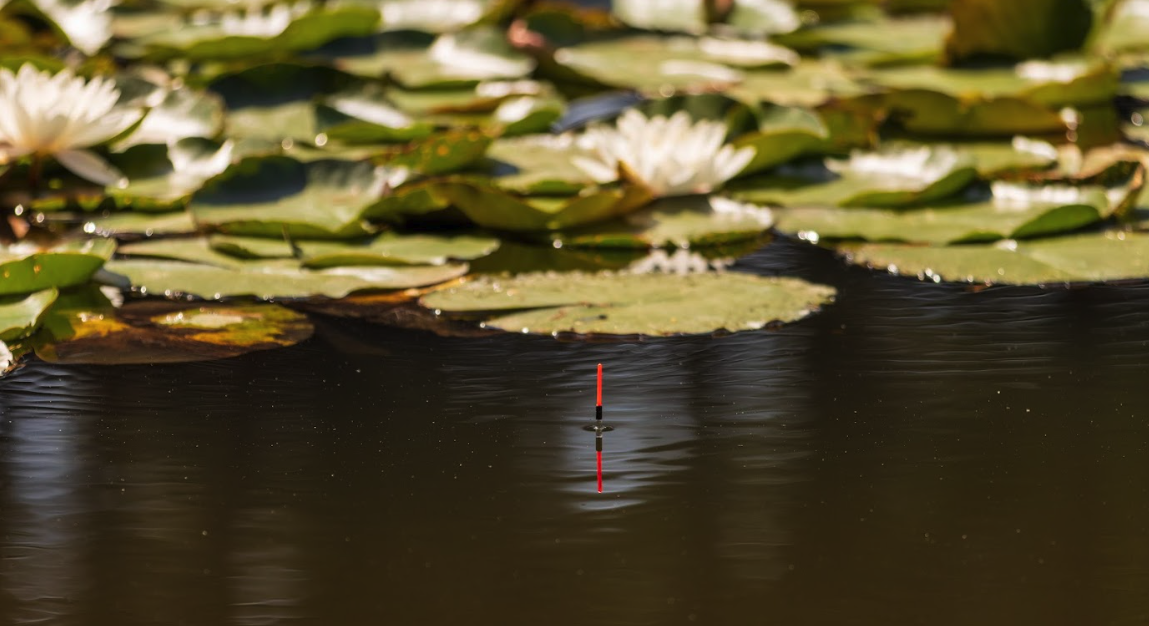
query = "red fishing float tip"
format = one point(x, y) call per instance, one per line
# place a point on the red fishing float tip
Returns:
point(599, 455)
point(599, 403)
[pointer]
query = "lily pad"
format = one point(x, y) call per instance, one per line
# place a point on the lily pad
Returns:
point(434, 16)
point(1126, 23)
point(783, 134)
point(913, 39)
point(141, 224)
point(1012, 211)
point(362, 114)
point(1018, 29)
point(21, 315)
point(183, 112)
point(257, 33)
point(894, 177)
point(654, 64)
point(669, 15)
point(441, 153)
point(145, 333)
point(26, 269)
point(1089, 257)
point(385, 249)
point(537, 164)
point(808, 84)
point(266, 196)
point(276, 101)
point(630, 304)
point(420, 61)
point(683, 222)
point(162, 178)
point(274, 279)
point(489, 207)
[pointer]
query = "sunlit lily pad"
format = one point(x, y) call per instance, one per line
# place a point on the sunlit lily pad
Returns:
point(182, 112)
point(25, 269)
point(441, 153)
point(808, 84)
point(1126, 23)
point(142, 224)
point(384, 249)
point(894, 177)
point(265, 196)
point(435, 16)
point(669, 15)
point(783, 134)
point(417, 60)
point(162, 178)
point(1010, 211)
point(146, 333)
point(20, 315)
point(362, 114)
point(256, 32)
point(631, 304)
point(537, 164)
point(1090, 257)
point(653, 64)
point(276, 101)
point(684, 222)
point(273, 279)
point(914, 39)
point(490, 207)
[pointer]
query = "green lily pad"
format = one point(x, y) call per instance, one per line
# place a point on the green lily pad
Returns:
point(894, 177)
point(24, 269)
point(276, 101)
point(441, 153)
point(1011, 212)
point(21, 315)
point(683, 222)
point(162, 178)
point(888, 41)
point(762, 17)
point(274, 279)
point(783, 134)
point(631, 304)
point(183, 112)
point(654, 64)
point(384, 249)
point(362, 114)
point(420, 61)
point(1052, 84)
point(489, 207)
point(669, 15)
point(537, 164)
point(808, 84)
point(141, 224)
point(1019, 29)
point(1089, 257)
point(286, 31)
point(1126, 23)
point(266, 196)
point(150, 332)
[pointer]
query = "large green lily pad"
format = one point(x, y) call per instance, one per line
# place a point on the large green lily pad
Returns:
point(1019, 212)
point(1089, 257)
point(266, 196)
point(384, 249)
point(683, 222)
point(420, 61)
point(537, 164)
point(912, 39)
point(489, 207)
point(653, 64)
point(300, 32)
point(630, 304)
point(274, 279)
point(25, 269)
point(896, 176)
point(21, 315)
point(783, 134)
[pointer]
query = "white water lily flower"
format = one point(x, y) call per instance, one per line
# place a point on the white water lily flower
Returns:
point(87, 24)
point(673, 156)
point(430, 15)
point(58, 116)
point(256, 22)
point(680, 261)
point(6, 357)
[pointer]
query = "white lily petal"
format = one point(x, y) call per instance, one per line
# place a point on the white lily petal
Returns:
point(672, 156)
point(90, 166)
point(6, 357)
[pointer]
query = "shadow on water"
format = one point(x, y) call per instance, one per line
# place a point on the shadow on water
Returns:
point(914, 454)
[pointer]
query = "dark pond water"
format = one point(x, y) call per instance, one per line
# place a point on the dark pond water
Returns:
point(916, 454)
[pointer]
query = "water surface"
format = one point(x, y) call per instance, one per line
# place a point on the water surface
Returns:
point(915, 454)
